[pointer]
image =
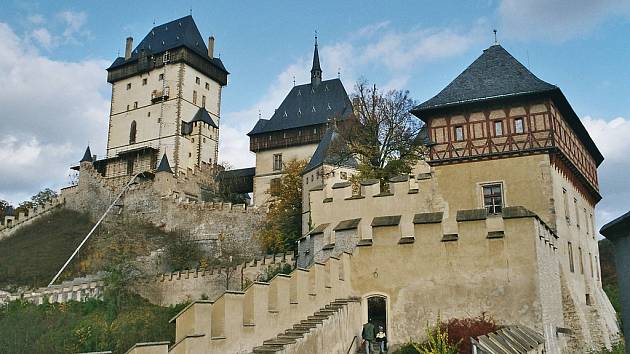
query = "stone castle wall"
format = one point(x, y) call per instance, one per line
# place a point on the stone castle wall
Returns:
point(11, 224)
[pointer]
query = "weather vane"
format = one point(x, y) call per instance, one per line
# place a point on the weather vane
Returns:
point(495, 36)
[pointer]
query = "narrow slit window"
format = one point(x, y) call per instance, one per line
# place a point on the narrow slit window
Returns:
point(571, 264)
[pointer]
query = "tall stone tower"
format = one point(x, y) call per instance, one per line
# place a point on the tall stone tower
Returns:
point(166, 100)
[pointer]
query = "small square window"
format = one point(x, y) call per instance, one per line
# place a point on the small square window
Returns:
point(204, 140)
point(129, 86)
point(135, 104)
point(459, 133)
point(190, 154)
point(493, 198)
point(197, 80)
point(148, 114)
point(207, 86)
point(498, 127)
point(161, 77)
point(193, 140)
point(144, 82)
point(203, 101)
point(518, 125)
point(274, 187)
point(127, 107)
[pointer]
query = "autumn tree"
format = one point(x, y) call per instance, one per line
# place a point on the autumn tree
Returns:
point(383, 136)
point(284, 221)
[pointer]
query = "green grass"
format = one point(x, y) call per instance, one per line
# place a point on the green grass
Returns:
point(89, 326)
point(35, 252)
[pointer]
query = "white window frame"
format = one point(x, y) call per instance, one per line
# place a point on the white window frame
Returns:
point(483, 197)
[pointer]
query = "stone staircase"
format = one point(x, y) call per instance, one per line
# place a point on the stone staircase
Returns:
point(291, 336)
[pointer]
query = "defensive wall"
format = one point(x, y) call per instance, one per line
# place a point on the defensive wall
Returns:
point(11, 224)
point(506, 265)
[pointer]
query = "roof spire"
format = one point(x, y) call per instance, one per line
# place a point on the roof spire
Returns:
point(164, 165)
point(316, 71)
point(87, 157)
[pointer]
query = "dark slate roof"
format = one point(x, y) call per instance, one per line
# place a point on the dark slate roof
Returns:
point(203, 116)
point(87, 157)
point(316, 66)
point(329, 100)
point(620, 227)
point(241, 172)
point(322, 155)
point(494, 74)
point(182, 32)
point(164, 165)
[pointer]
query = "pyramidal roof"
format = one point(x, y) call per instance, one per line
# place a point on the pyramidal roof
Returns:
point(87, 156)
point(164, 165)
point(171, 35)
point(494, 74)
point(323, 154)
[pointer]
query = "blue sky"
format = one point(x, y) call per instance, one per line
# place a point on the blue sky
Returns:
point(55, 98)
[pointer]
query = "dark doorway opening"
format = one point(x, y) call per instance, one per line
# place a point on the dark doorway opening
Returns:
point(377, 311)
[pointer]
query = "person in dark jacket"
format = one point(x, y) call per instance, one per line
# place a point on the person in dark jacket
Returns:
point(368, 334)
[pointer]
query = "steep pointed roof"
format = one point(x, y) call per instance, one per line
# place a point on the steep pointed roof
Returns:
point(494, 74)
point(323, 154)
point(203, 116)
point(497, 75)
point(164, 165)
point(308, 105)
point(171, 35)
point(87, 157)
point(316, 66)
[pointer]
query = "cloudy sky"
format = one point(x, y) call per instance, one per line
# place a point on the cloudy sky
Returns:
point(54, 98)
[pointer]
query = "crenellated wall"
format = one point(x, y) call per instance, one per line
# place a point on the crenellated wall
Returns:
point(11, 224)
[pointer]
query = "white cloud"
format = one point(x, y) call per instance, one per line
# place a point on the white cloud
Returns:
point(611, 137)
point(50, 110)
point(43, 37)
point(556, 20)
point(74, 22)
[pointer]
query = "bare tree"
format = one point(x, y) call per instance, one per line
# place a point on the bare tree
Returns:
point(384, 135)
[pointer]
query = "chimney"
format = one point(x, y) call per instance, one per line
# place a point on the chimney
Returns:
point(211, 47)
point(128, 48)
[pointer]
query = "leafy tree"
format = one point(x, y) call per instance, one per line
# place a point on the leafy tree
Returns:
point(231, 252)
point(384, 135)
point(4, 209)
point(284, 221)
point(44, 196)
point(183, 252)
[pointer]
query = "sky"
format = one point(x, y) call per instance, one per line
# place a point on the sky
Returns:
point(54, 98)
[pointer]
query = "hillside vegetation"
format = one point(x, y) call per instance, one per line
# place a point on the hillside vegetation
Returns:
point(34, 254)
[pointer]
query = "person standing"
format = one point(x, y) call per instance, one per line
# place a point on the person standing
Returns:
point(368, 335)
point(381, 339)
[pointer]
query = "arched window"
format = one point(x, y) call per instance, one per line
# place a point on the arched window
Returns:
point(132, 133)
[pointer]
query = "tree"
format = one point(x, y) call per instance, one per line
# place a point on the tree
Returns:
point(44, 196)
point(183, 251)
point(231, 252)
point(384, 135)
point(284, 221)
point(4, 209)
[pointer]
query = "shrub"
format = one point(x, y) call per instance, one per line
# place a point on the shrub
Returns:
point(461, 330)
point(183, 252)
point(619, 348)
point(272, 270)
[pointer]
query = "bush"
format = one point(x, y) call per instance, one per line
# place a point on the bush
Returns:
point(272, 270)
point(619, 348)
point(183, 252)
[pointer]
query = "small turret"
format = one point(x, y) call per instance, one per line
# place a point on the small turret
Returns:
point(87, 157)
point(164, 165)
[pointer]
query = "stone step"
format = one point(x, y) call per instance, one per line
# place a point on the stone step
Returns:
point(279, 341)
point(267, 349)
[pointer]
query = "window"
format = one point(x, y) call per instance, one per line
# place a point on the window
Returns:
point(129, 86)
point(277, 162)
point(127, 107)
point(193, 140)
point(194, 97)
point(132, 133)
point(586, 221)
point(161, 77)
point(190, 154)
point(343, 175)
point(592, 226)
point(577, 212)
point(144, 82)
point(207, 86)
point(571, 265)
point(597, 267)
point(274, 187)
point(148, 114)
point(204, 140)
point(498, 127)
point(203, 101)
point(197, 80)
point(565, 199)
point(315, 131)
point(493, 198)
point(459, 133)
point(518, 125)
point(135, 104)
point(581, 261)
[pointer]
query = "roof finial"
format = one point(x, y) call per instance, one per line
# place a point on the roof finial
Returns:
point(190, 10)
point(259, 113)
point(293, 80)
point(339, 73)
point(495, 36)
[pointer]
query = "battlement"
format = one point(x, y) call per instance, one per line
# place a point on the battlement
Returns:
point(77, 289)
point(12, 223)
point(237, 321)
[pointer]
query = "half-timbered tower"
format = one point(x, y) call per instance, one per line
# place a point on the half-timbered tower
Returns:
point(509, 138)
point(296, 128)
point(166, 100)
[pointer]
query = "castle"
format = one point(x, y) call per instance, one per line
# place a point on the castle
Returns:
point(497, 220)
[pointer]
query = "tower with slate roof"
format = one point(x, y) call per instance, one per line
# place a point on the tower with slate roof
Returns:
point(166, 101)
point(296, 129)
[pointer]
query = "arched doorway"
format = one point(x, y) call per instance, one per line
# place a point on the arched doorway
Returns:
point(377, 310)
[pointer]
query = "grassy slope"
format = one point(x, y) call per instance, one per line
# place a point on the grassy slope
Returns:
point(35, 253)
